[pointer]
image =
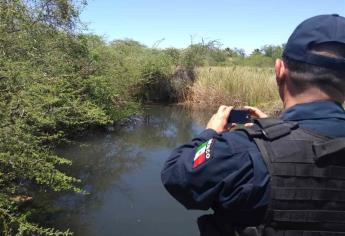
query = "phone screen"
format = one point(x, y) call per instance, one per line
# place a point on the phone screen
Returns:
point(239, 116)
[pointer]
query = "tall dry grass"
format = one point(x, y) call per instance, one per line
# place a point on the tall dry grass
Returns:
point(237, 86)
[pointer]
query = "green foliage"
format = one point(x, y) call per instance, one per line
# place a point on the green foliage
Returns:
point(194, 55)
point(272, 51)
point(156, 67)
point(235, 52)
point(126, 69)
point(254, 60)
point(46, 84)
point(202, 54)
point(10, 222)
point(211, 54)
point(56, 84)
point(104, 92)
point(174, 55)
point(264, 57)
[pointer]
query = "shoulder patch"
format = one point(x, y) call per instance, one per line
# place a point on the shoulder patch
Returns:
point(202, 153)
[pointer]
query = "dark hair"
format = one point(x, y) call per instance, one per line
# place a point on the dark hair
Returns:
point(330, 81)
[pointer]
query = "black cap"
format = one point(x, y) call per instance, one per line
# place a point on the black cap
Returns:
point(315, 30)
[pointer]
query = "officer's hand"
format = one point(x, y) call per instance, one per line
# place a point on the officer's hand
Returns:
point(219, 121)
point(256, 113)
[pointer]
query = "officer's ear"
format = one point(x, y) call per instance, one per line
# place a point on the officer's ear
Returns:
point(281, 72)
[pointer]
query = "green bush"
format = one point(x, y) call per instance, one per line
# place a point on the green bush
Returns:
point(255, 60)
point(49, 94)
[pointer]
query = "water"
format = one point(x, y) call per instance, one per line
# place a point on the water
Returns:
point(121, 170)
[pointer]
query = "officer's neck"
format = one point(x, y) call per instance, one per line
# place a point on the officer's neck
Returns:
point(310, 95)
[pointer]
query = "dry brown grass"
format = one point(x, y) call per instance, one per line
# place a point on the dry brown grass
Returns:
point(237, 86)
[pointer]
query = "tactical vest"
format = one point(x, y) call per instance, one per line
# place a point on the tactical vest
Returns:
point(307, 179)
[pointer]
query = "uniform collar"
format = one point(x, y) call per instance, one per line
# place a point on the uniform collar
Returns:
point(314, 110)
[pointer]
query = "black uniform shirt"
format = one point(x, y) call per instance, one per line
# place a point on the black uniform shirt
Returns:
point(234, 179)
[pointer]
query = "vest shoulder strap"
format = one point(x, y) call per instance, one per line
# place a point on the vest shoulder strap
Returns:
point(275, 128)
point(268, 129)
point(326, 152)
point(330, 153)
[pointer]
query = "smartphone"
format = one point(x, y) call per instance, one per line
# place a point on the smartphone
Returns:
point(239, 116)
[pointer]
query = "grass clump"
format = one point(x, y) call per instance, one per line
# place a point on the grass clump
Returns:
point(235, 85)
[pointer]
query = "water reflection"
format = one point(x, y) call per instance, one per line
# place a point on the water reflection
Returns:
point(121, 171)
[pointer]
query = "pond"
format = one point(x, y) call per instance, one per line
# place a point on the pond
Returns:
point(121, 172)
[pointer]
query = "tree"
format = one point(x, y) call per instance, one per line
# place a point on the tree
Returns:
point(42, 67)
point(272, 51)
point(256, 51)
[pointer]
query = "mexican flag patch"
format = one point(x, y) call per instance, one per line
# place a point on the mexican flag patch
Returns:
point(202, 153)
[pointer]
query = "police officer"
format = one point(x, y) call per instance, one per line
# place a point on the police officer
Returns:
point(285, 175)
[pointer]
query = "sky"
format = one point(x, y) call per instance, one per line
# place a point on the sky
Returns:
point(246, 24)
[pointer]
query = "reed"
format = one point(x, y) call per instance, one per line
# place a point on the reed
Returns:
point(236, 86)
